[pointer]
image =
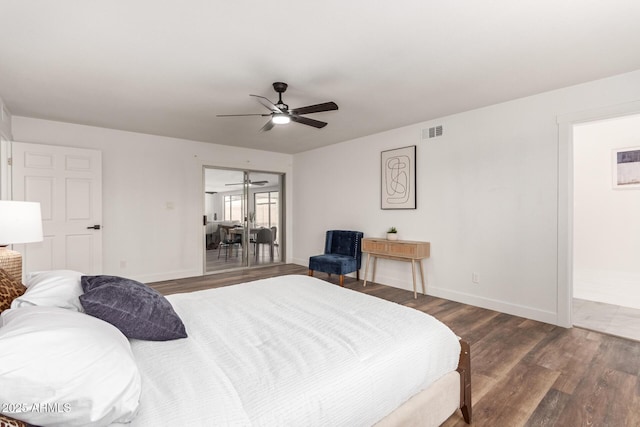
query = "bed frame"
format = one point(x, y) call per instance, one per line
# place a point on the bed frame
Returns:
point(432, 407)
point(464, 369)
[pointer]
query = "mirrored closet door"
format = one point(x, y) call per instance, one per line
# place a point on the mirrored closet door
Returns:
point(244, 219)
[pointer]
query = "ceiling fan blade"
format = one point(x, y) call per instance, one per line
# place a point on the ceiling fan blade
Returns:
point(318, 108)
point(250, 183)
point(307, 121)
point(268, 126)
point(241, 115)
point(270, 105)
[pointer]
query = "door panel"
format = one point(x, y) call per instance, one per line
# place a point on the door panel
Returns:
point(40, 189)
point(79, 199)
point(79, 252)
point(68, 184)
point(38, 256)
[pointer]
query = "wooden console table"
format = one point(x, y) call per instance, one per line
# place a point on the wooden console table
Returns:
point(399, 250)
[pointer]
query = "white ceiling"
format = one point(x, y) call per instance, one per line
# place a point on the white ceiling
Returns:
point(167, 67)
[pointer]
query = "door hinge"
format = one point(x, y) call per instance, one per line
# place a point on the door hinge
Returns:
point(10, 161)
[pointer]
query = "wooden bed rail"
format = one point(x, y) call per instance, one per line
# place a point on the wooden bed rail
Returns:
point(464, 368)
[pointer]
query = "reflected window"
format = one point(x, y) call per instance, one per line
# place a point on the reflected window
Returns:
point(267, 208)
point(233, 207)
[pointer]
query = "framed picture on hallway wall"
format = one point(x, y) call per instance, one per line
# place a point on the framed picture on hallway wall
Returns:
point(398, 178)
point(626, 168)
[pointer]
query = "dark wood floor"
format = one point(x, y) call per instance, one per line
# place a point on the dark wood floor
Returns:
point(524, 373)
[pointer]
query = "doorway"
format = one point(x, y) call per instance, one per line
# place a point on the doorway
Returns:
point(606, 199)
point(243, 219)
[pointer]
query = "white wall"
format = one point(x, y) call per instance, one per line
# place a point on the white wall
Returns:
point(153, 196)
point(5, 137)
point(487, 198)
point(606, 227)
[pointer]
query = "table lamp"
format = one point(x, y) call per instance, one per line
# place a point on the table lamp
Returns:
point(20, 222)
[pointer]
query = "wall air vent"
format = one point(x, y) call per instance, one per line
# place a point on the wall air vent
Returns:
point(432, 132)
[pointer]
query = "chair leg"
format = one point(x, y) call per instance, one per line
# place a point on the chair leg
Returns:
point(357, 274)
point(310, 272)
point(342, 280)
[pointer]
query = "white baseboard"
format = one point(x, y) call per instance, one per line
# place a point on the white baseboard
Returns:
point(497, 305)
point(475, 300)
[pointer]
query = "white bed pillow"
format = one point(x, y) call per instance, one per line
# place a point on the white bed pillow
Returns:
point(54, 288)
point(66, 368)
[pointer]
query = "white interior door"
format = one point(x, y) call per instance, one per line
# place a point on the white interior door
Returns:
point(68, 184)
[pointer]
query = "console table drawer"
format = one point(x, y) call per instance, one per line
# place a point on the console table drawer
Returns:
point(396, 248)
point(374, 246)
point(410, 250)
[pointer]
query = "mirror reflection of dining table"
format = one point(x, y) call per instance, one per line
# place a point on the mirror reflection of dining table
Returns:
point(252, 233)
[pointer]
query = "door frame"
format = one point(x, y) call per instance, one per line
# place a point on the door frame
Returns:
point(246, 264)
point(565, 199)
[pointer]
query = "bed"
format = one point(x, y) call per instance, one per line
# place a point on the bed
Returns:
point(289, 350)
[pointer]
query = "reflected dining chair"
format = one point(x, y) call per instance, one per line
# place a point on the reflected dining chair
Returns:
point(342, 254)
point(274, 234)
point(228, 241)
point(264, 237)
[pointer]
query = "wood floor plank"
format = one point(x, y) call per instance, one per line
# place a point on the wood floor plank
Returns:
point(570, 351)
point(468, 320)
point(515, 398)
point(549, 409)
point(602, 399)
point(524, 373)
point(503, 347)
point(616, 353)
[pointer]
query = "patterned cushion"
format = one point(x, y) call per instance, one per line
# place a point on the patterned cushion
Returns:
point(10, 422)
point(10, 289)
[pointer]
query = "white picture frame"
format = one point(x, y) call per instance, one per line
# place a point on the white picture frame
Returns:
point(626, 168)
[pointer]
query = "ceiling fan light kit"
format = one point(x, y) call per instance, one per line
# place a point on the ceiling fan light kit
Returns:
point(280, 119)
point(281, 114)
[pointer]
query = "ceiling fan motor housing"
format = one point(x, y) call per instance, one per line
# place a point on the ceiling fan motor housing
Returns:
point(280, 87)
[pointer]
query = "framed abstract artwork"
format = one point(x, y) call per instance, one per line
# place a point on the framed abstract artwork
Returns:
point(626, 168)
point(398, 173)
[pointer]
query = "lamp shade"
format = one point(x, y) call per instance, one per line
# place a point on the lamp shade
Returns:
point(20, 222)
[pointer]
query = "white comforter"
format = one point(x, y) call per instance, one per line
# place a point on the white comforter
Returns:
point(289, 351)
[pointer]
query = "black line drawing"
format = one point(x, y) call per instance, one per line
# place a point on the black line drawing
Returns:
point(398, 183)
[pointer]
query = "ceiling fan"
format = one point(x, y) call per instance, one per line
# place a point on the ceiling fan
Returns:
point(281, 114)
point(259, 183)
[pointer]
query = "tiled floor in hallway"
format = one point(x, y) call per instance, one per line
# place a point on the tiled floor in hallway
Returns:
point(611, 319)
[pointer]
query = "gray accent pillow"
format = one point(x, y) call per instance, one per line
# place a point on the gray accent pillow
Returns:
point(137, 310)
